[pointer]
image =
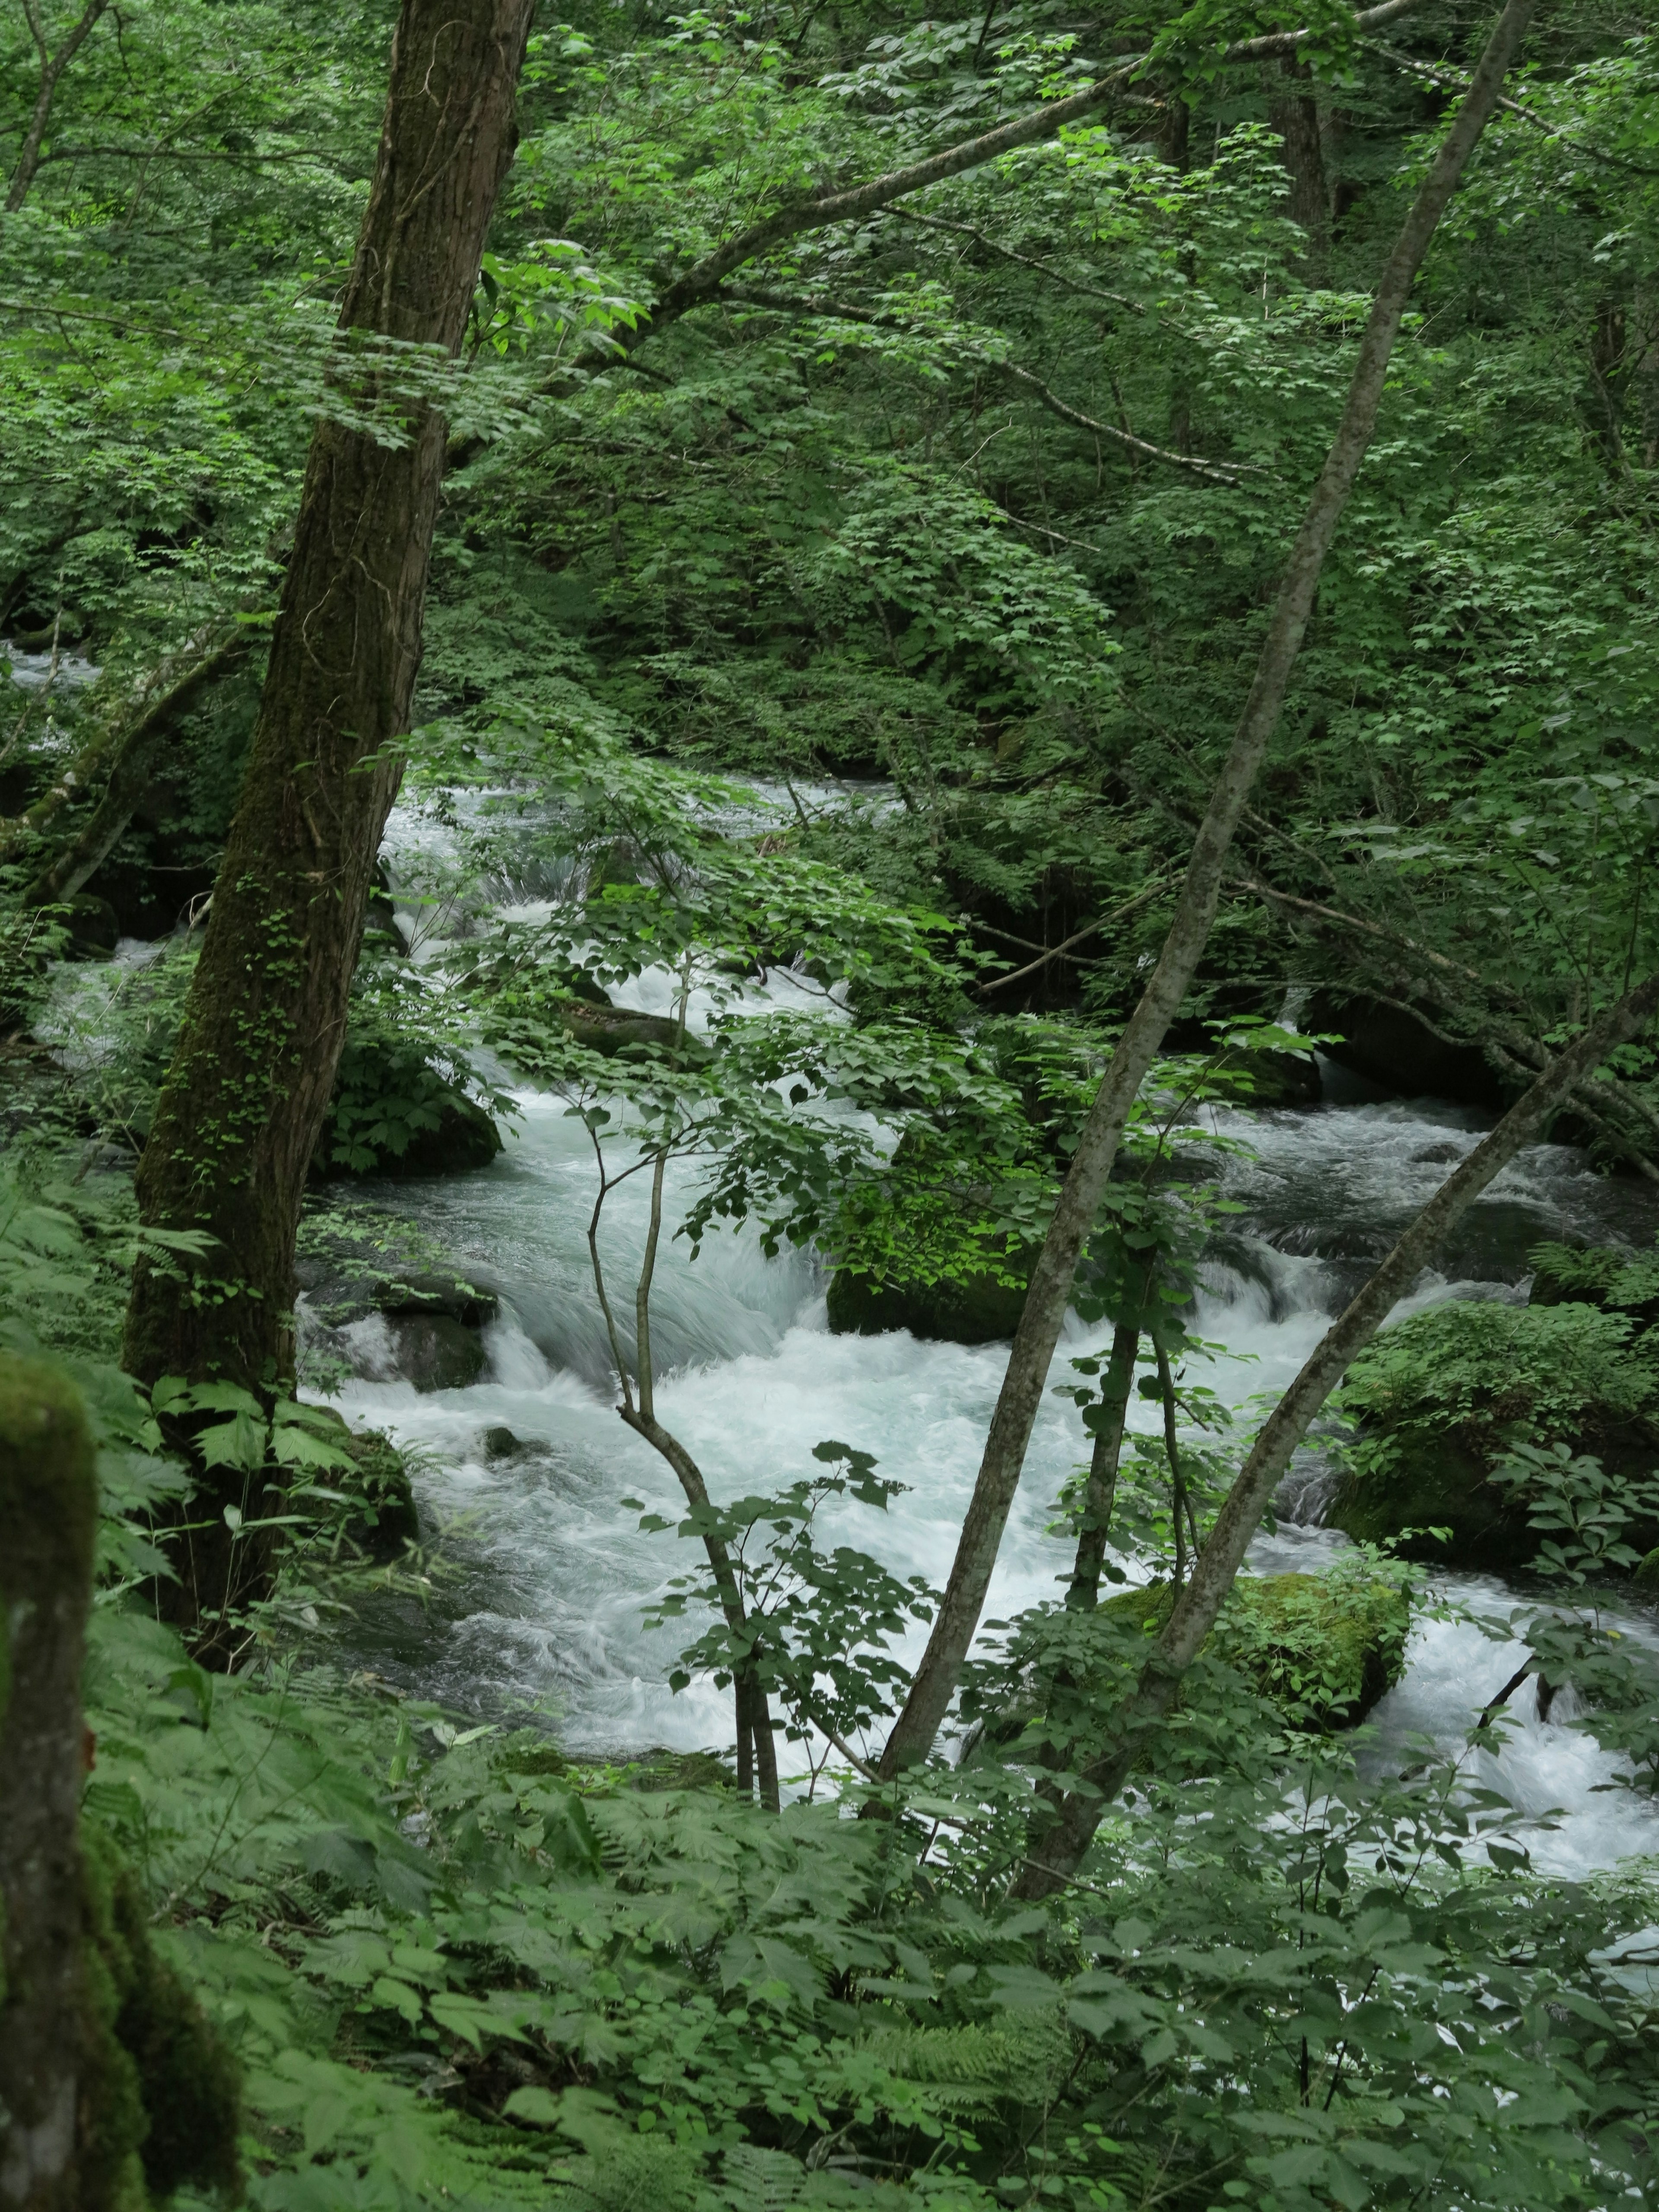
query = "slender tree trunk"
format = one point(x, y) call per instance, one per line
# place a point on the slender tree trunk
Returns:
point(1083, 1592)
point(238, 1113)
point(1046, 1302)
point(48, 1520)
point(52, 67)
point(753, 1709)
point(1054, 1856)
point(1644, 368)
point(134, 755)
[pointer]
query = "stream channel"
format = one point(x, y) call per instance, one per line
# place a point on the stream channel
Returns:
point(539, 1606)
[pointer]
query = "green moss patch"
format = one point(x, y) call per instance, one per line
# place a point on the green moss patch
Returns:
point(1322, 1648)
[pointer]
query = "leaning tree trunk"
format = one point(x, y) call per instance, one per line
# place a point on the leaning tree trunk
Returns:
point(48, 1519)
point(243, 1102)
point(1056, 1267)
point(1055, 1856)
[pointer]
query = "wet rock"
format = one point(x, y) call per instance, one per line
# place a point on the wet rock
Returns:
point(432, 1317)
point(436, 1353)
point(500, 1442)
point(978, 1310)
point(1398, 1051)
point(93, 928)
point(1276, 1079)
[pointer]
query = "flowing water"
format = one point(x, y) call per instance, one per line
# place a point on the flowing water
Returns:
point(549, 1580)
point(545, 1577)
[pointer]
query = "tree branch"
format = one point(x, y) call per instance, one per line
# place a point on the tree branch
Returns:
point(1056, 1267)
point(52, 67)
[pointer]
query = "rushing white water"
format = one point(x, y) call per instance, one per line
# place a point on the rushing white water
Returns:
point(545, 1608)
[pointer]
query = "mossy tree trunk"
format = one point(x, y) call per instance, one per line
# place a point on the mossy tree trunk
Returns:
point(48, 1516)
point(244, 1100)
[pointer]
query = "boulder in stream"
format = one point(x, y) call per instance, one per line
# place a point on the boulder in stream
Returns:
point(1397, 1050)
point(431, 1317)
point(608, 1030)
point(379, 1509)
point(1322, 1648)
point(394, 1114)
point(979, 1310)
point(1442, 1397)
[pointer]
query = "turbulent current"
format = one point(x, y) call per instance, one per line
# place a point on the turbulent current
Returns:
point(541, 1603)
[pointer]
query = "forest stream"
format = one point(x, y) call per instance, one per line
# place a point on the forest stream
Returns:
point(539, 1605)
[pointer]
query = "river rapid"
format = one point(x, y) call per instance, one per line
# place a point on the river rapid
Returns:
point(545, 1578)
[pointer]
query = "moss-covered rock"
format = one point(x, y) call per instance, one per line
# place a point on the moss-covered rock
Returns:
point(1322, 1648)
point(1441, 1397)
point(979, 1310)
point(394, 1114)
point(607, 1029)
point(380, 1513)
point(434, 1316)
point(164, 2102)
point(116, 2092)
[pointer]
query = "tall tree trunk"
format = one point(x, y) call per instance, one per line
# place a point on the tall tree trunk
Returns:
point(243, 1102)
point(1645, 367)
point(1050, 1289)
point(1054, 1856)
point(48, 1519)
point(52, 66)
point(1294, 114)
point(1083, 1592)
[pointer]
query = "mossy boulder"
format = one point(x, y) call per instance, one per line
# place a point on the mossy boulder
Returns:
point(978, 1309)
point(163, 2094)
point(1276, 1078)
point(1322, 1648)
point(378, 1501)
point(610, 1030)
point(1442, 1397)
point(393, 1112)
point(434, 1317)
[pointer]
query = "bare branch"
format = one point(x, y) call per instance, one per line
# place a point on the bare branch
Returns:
point(1025, 260)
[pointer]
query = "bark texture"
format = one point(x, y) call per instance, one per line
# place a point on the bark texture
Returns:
point(244, 1099)
point(48, 1518)
point(1055, 1856)
point(958, 1616)
point(1294, 114)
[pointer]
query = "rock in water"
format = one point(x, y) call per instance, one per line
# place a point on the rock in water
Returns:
point(977, 1310)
